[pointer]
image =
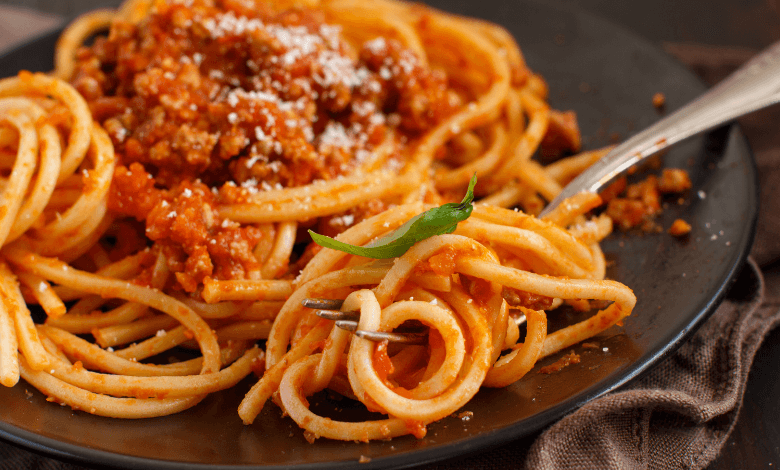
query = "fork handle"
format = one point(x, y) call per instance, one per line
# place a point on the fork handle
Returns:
point(753, 86)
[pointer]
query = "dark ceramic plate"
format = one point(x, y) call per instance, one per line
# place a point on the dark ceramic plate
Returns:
point(608, 77)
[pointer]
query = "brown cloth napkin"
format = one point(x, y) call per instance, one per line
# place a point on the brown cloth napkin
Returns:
point(678, 415)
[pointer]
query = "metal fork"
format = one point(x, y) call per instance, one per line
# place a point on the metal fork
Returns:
point(330, 309)
point(753, 86)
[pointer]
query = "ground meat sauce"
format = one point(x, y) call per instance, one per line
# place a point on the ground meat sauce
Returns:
point(563, 135)
point(564, 361)
point(210, 102)
point(521, 298)
point(183, 224)
point(635, 205)
point(680, 228)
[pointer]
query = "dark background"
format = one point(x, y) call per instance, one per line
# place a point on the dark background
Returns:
point(712, 37)
point(743, 23)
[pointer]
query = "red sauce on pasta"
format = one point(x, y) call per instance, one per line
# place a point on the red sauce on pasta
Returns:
point(382, 363)
point(219, 102)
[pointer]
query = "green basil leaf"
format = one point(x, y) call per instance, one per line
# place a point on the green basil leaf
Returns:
point(436, 221)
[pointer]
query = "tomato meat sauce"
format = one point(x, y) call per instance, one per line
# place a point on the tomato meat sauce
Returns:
point(635, 205)
point(563, 361)
point(209, 103)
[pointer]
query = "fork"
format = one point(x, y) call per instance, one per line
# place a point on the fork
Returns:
point(753, 86)
point(348, 320)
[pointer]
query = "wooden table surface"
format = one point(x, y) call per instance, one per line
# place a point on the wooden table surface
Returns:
point(739, 27)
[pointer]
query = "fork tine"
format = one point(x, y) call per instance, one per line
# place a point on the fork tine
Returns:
point(338, 315)
point(324, 304)
point(329, 309)
point(403, 338)
point(378, 336)
point(347, 325)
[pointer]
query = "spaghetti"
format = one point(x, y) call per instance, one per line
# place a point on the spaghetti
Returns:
point(156, 186)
